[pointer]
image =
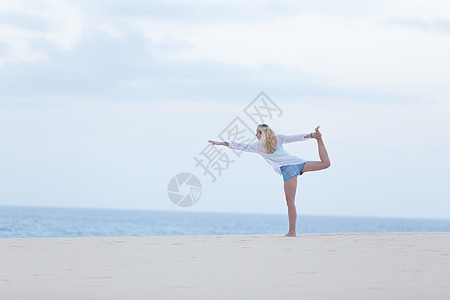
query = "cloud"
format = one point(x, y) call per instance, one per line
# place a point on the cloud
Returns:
point(3, 48)
point(156, 51)
point(211, 12)
point(28, 21)
point(130, 68)
point(102, 65)
point(436, 25)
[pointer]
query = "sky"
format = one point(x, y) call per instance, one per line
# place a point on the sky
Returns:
point(102, 103)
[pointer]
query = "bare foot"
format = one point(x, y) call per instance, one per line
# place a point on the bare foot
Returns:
point(317, 135)
point(290, 234)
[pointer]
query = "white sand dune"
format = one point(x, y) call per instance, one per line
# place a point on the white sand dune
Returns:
point(310, 266)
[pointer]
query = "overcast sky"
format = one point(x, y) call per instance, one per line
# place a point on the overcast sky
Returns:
point(103, 102)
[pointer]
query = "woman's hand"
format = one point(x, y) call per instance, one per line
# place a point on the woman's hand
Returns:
point(217, 143)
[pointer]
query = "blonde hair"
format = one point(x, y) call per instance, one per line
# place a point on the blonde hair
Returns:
point(268, 138)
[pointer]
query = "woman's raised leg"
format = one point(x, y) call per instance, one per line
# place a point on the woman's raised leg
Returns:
point(324, 159)
point(290, 186)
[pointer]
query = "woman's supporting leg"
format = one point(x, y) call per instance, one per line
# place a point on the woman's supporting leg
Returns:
point(324, 159)
point(290, 186)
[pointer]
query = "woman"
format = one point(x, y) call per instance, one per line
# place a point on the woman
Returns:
point(270, 147)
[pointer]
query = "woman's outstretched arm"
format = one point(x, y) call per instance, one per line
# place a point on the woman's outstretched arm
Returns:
point(294, 137)
point(218, 143)
point(298, 137)
point(235, 145)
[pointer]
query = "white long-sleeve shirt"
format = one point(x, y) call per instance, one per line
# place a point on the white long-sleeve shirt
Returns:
point(278, 158)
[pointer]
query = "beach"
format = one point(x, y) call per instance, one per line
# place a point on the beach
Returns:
point(310, 266)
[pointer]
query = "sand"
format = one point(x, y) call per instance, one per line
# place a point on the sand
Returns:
point(310, 266)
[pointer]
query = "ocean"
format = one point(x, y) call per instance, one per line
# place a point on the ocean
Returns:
point(22, 222)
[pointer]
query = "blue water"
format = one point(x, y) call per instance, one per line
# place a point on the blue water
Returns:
point(75, 222)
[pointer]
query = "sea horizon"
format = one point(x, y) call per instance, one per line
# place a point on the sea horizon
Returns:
point(47, 221)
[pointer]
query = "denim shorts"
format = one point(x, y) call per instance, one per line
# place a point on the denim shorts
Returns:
point(292, 170)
